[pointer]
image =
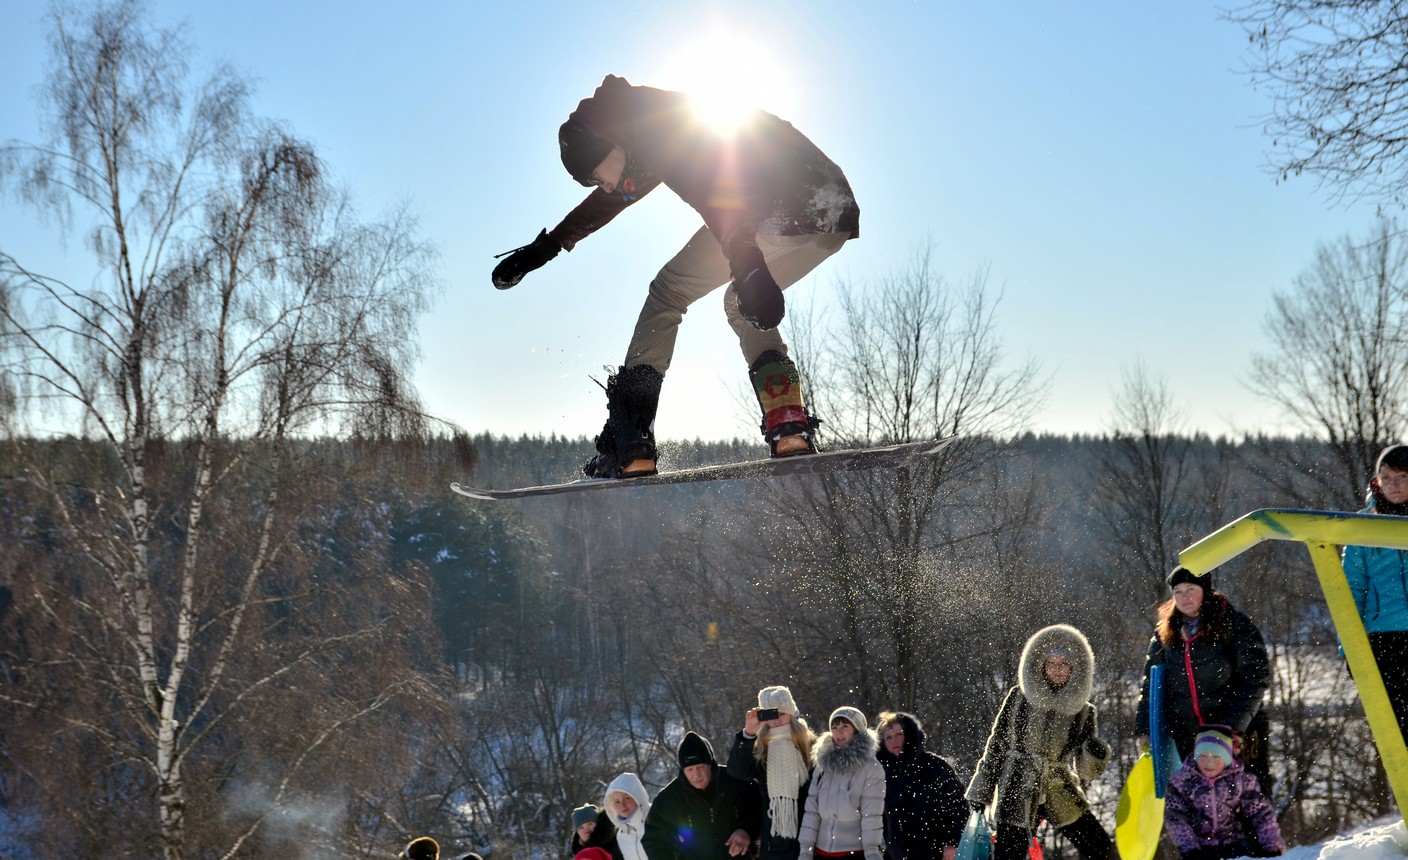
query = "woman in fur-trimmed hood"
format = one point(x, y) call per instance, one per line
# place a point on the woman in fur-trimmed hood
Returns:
point(845, 812)
point(1045, 725)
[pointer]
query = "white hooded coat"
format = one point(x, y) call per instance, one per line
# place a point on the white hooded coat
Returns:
point(629, 829)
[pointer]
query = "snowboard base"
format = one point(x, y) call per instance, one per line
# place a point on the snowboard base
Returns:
point(808, 464)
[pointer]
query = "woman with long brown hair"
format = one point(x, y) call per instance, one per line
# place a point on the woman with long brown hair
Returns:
point(1216, 671)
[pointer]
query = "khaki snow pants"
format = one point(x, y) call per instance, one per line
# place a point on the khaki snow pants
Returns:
point(698, 269)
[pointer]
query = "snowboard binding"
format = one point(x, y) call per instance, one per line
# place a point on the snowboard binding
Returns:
point(626, 446)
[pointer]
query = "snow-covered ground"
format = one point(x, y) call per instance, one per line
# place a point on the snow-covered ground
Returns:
point(1385, 839)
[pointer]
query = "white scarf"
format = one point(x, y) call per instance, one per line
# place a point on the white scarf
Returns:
point(787, 773)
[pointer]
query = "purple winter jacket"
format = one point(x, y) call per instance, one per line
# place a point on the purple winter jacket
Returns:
point(1204, 814)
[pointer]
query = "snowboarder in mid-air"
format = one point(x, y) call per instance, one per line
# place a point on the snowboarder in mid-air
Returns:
point(774, 207)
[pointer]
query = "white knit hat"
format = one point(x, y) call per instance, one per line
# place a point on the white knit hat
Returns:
point(850, 715)
point(777, 697)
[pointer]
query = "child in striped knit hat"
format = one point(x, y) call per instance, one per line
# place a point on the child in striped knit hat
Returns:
point(1215, 808)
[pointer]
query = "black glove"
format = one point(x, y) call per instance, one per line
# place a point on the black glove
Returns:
point(978, 806)
point(523, 260)
point(759, 296)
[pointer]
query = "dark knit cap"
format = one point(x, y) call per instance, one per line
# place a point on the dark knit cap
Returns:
point(422, 848)
point(582, 151)
point(1182, 574)
point(694, 749)
point(582, 814)
point(1395, 457)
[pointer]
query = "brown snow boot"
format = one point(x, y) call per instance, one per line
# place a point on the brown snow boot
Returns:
point(787, 427)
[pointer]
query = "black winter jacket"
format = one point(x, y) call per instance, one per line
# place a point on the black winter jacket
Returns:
point(1229, 677)
point(766, 178)
point(743, 768)
point(688, 824)
point(924, 805)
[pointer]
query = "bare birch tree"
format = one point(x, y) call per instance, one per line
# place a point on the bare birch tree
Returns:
point(1337, 366)
point(237, 308)
point(1156, 490)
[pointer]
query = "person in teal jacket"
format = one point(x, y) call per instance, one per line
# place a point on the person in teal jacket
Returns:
point(1378, 579)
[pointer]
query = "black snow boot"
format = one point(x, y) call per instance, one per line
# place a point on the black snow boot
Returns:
point(787, 426)
point(626, 446)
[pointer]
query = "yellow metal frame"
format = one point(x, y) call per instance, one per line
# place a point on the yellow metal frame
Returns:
point(1323, 532)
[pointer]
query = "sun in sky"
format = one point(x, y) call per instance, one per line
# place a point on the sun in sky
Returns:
point(727, 75)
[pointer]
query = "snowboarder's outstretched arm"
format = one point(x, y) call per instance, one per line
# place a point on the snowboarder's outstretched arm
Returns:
point(586, 218)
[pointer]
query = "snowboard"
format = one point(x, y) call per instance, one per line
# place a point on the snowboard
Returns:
point(826, 462)
point(1139, 818)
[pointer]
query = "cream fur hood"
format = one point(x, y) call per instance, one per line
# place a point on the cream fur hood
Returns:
point(1070, 643)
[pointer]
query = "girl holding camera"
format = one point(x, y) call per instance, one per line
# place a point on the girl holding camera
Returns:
point(774, 753)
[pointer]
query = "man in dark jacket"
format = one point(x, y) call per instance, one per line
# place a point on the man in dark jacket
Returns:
point(698, 816)
point(774, 207)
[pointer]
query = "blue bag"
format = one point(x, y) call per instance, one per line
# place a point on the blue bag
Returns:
point(976, 843)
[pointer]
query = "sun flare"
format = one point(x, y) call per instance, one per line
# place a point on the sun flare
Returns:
point(721, 109)
point(727, 77)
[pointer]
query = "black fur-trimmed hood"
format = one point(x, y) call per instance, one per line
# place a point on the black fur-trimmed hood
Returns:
point(1069, 642)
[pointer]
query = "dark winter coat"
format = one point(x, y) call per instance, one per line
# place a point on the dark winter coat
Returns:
point(743, 767)
point(1378, 577)
point(1026, 769)
point(924, 806)
point(1219, 813)
point(688, 824)
point(765, 178)
point(604, 836)
point(1229, 676)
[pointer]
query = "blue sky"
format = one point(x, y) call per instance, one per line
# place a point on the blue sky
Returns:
point(1102, 161)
